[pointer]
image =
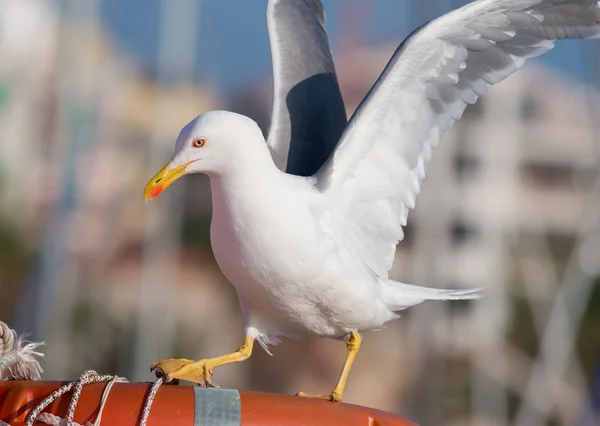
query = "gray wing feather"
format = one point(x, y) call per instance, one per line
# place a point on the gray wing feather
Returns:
point(308, 114)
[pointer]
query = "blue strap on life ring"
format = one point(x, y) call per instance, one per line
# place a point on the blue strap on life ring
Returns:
point(217, 407)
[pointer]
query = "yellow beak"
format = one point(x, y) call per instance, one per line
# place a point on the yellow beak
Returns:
point(162, 180)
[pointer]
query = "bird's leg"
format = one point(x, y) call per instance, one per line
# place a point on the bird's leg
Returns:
point(352, 344)
point(200, 371)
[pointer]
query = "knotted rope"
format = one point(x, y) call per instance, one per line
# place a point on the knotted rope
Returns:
point(18, 362)
point(88, 376)
point(18, 356)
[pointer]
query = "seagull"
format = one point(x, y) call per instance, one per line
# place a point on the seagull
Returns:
point(305, 226)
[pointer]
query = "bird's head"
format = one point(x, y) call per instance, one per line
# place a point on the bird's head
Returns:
point(207, 144)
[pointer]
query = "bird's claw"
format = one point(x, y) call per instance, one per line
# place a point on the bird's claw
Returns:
point(160, 373)
point(208, 384)
point(173, 370)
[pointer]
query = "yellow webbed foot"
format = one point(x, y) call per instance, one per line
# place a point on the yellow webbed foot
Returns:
point(184, 369)
point(199, 371)
point(352, 346)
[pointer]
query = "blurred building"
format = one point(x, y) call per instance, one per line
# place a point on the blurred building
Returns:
point(57, 86)
point(79, 123)
point(27, 39)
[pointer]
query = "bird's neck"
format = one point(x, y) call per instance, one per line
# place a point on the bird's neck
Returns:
point(251, 162)
point(252, 177)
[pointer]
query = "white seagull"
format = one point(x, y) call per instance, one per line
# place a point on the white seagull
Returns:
point(305, 226)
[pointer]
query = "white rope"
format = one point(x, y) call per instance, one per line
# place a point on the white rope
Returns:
point(88, 376)
point(104, 397)
point(51, 419)
point(17, 356)
point(150, 400)
point(18, 362)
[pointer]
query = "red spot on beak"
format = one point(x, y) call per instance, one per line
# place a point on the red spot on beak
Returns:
point(156, 191)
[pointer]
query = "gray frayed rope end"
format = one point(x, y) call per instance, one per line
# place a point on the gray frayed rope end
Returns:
point(18, 357)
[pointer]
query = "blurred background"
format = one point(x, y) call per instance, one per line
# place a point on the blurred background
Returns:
point(92, 97)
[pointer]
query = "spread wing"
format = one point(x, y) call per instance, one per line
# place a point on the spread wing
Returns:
point(374, 175)
point(308, 115)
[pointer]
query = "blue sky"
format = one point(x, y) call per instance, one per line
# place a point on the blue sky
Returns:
point(233, 48)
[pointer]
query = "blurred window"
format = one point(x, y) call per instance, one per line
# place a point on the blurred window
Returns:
point(529, 108)
point(462, 232)
point(465, 166)
point(547, 176)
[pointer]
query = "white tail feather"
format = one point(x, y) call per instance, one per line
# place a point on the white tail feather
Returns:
point(400, 296)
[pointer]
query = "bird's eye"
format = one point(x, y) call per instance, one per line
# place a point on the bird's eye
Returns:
point(199, 143)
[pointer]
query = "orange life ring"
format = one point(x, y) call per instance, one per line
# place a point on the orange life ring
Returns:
point(186, 406)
